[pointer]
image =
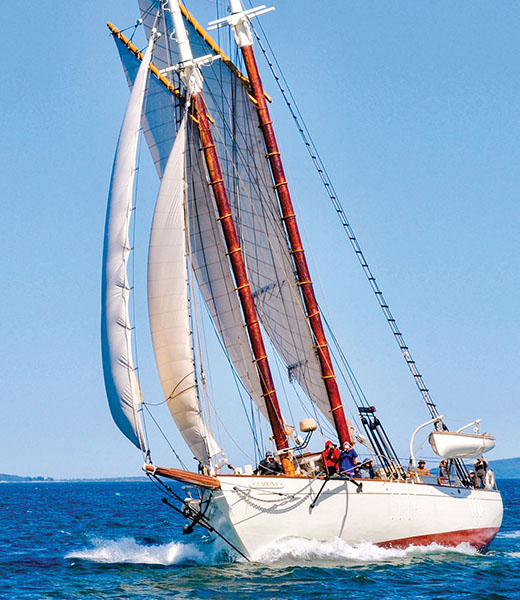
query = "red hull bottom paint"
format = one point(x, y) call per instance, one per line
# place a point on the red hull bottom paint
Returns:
point(478, 538)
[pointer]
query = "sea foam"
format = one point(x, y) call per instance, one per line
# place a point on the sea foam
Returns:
point(288, 550)
point(127, 550)
point(303, 550)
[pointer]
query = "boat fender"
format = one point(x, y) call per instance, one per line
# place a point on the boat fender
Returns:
point(307, 425)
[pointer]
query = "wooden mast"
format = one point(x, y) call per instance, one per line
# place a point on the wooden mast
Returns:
point(193, 80)
point(241, 27)
point(243, 288)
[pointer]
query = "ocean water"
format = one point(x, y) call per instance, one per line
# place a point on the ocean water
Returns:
point(118, 540)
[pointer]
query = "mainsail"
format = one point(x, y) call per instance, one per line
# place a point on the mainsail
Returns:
point(121, 382)
point(168, 305)
point(248, 181)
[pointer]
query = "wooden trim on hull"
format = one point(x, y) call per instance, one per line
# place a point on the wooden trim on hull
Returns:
point(204, 481)
point(478, 538)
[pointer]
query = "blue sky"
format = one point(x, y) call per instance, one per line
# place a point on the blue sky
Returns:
point(415, 109)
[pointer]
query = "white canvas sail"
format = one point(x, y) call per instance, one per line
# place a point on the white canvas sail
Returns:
point(211, 267)
point(168, 305)
point(241, 150)
point(121, 382)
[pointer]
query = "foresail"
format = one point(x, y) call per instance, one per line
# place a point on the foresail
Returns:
point(121, 382)
point(168, 305)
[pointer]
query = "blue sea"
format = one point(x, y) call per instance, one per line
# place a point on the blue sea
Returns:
point(118, 540)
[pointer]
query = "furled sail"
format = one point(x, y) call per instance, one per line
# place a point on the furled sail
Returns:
point(121, 382)
point(168, 305)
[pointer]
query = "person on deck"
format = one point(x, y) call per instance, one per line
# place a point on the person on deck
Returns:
point(269, 466)
point(444, 471)
point(421, 470)
point(330, 458)
point(347, 459)
point(365, 470)
point(481, 467)
point(472, 480)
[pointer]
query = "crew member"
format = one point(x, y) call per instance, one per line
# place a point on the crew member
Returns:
point(421, 470)
point(269, 466)
point(347, 459)
point(330, 457)
point(365, 470)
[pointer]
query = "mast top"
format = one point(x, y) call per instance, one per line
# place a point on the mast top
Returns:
point(239, 20)
point(190, 70)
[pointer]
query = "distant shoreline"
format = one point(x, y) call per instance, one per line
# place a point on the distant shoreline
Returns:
point(78, 480)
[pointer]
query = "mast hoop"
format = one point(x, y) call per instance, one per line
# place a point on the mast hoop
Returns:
point(277, 185)
point(314, 314)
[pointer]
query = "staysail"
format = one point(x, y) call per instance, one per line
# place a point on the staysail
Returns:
point(121, 382)
point(168, 305)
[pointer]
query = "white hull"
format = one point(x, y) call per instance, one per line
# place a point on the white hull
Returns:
point(253, 512)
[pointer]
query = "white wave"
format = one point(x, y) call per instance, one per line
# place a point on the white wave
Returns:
point(513, 554)
point(127, 550)
point(510, 534)
point(300, 549)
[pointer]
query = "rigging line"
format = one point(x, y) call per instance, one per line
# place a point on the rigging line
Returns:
point(202, 520)
point(166, 439)
point(132, 349)
point(157, 403)
point(202, 343)
point(194, 315)
point(327, 183)
point(351, 375)
point(238, 383)
point(277, 361)
point(221, 421)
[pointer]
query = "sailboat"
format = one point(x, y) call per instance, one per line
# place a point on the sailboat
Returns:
point(225, 235)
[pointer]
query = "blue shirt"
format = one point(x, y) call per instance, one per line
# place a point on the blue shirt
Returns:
point(346, 460)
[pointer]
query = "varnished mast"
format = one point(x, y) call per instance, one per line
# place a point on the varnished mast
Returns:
point(193, 81)
point(239, 21)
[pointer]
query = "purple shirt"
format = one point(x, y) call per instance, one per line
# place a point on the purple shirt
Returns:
point(346, 460)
